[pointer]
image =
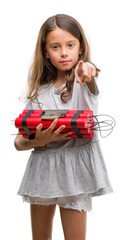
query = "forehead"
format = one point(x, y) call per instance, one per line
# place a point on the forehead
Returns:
point(60, 35)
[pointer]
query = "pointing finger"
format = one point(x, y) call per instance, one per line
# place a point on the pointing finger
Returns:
point(80, 65)
point(80, 68)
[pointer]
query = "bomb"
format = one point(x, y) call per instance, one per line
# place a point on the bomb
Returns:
point(80, 122)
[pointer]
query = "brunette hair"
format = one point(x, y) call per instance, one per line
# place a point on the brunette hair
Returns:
point(42, 71)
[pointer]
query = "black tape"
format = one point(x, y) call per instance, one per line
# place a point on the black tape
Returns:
point(24, 124)
point(74, 123)
point(42, 114)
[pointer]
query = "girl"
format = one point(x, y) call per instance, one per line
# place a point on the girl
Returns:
point(61, 170)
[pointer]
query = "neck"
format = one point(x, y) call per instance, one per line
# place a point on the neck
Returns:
point(60, 75)
point(60, 79)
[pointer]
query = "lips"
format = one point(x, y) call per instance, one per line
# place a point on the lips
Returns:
point(65, 62)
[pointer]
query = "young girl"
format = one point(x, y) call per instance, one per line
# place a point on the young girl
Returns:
point(62, 170)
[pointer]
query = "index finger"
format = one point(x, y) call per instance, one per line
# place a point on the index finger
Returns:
point(80, 64)
point(80, 68)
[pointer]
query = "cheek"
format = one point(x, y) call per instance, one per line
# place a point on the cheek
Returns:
point(76, 56)
point(52, 55)
point(54, 60)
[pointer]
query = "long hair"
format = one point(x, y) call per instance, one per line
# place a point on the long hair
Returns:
point(42, 71)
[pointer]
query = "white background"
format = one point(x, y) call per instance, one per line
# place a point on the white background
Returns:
point(105, 24)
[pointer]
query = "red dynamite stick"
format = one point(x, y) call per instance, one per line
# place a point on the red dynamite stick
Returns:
point(72, 136)
point(69, 111)
point(84, 135)
point(45, 122)
point(68, 115)
point(82, 131)
point(34, 122)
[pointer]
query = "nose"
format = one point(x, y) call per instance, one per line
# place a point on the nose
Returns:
point(64, 52)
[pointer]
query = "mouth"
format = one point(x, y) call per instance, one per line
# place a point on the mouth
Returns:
point(65, 62)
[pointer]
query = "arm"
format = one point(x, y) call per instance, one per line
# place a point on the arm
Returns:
point(91, 85)
point(22, 143)
point(41, 137)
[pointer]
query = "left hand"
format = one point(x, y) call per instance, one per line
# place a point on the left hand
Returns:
point(84, 72)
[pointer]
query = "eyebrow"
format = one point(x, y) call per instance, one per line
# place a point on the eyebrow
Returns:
point(53, 43)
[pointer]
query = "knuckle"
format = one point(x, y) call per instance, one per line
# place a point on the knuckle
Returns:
point(55, 134)
point(85, 75)
point(49, 130)
point(51, 127)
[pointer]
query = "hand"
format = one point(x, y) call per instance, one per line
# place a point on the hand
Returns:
point(84, 72)
point(49, 135)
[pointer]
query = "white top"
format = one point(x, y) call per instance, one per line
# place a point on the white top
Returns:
point(66, 167)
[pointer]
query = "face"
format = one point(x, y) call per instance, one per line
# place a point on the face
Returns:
point(63, 49)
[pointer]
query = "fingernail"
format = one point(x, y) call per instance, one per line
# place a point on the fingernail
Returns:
point(40, 125)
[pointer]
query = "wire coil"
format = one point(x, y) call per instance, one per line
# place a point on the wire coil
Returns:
point(106, 125)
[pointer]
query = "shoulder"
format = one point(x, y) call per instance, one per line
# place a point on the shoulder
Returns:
point(28, 104)
point(44, 88)
point(41, 94)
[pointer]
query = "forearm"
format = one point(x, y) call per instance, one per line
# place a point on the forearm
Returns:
point(42, 138)
point(22, 143)
point(91, 86)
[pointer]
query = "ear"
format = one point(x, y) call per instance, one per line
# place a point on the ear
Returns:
point(80, 50)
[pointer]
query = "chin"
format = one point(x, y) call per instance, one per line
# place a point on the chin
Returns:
point(67, 68)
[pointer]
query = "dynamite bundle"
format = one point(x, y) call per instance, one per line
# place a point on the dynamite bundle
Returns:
point(80, 122)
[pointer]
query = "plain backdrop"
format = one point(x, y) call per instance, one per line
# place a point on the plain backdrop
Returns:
point(105, 25)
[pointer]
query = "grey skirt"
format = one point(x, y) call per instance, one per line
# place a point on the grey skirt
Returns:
point(67, 172)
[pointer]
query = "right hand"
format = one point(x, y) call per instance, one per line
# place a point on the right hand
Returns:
point(43, 137)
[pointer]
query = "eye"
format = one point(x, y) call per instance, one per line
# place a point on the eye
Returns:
point(70, 45)
point(55, 47)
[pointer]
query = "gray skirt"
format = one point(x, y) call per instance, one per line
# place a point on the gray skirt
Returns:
point(67, 172)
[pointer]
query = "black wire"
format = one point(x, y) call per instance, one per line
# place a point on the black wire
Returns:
point(107, 123)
